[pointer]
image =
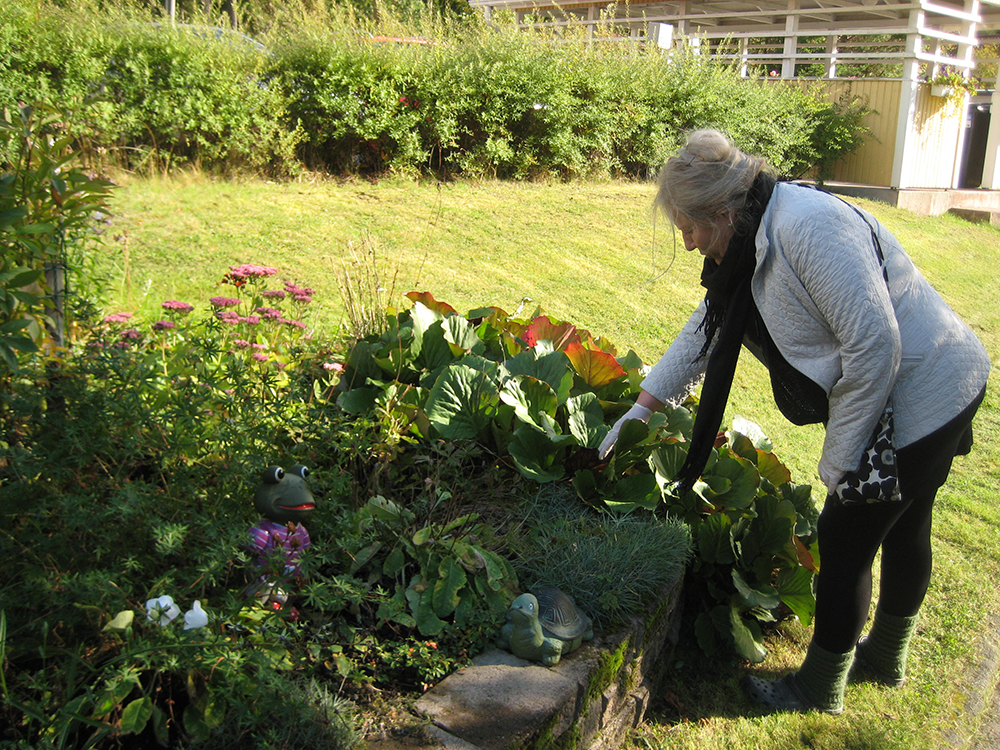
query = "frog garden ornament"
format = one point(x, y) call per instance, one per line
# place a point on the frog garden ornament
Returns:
point(544, 625)
point(285, 501)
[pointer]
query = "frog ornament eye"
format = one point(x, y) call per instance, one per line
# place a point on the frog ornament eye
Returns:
point(283, 496)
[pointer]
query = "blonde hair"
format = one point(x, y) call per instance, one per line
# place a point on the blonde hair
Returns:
point(706, 179)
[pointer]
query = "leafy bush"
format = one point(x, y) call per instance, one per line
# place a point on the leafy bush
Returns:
point(538, 393)
point(49, 210)
point(345, 94)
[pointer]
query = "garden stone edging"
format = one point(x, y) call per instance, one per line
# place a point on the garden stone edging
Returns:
point(591, 699)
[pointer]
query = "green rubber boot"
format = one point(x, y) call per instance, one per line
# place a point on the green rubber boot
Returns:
point(823, 677)
point(883, 651)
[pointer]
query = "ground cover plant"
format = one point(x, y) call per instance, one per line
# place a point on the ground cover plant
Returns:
point(592, 255)
point(323, 87)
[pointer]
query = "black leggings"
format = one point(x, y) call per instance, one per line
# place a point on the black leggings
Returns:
point(849, 536)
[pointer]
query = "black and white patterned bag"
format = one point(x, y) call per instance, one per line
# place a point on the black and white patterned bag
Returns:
point(875, 480)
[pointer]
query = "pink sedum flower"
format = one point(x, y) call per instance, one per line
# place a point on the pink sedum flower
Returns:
point(251, 270)
point(223, 302)
point(119, 317)
point(163, 325)
point(179, 307)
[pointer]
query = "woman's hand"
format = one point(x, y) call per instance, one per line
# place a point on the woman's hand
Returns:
point(638, 411)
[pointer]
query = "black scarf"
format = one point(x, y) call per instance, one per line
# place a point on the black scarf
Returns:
point(729, 308)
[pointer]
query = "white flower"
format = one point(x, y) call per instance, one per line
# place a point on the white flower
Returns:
point(162, 610)
point(195, 617)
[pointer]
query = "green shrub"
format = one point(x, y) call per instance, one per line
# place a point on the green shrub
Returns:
point(341, 93)
point(50, 208)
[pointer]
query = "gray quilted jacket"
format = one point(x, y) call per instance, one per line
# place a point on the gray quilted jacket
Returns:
point(823, 298)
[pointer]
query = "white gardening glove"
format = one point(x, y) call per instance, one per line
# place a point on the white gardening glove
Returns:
point(636, 412)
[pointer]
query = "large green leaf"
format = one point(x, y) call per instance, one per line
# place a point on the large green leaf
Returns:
point(771, 468)
point(462, 336)
point(770, 530)
point(358, 400)
point(743, 477)
point(461, 403)
point(451, 578)
point(551, 367)
point(747, 637)
point(795, 590)
point(531, 399)
point(666, 460)
point(586, 420)
point(715, 542)
point(768, 598)
point(432, 348)
point(428, 623)
point(534, 455)
point(634, 491)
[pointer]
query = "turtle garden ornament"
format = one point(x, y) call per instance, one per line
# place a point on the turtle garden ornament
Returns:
point(544, 625)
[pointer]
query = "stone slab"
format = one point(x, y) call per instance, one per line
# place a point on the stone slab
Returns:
point(502, 700)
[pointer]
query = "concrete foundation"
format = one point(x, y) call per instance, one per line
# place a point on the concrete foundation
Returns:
point(923, 202)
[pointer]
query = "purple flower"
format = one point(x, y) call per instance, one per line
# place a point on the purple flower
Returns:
point(296, 324)
point(179, 307)
point(334, 366)
point(242, 344)
point(260, 357)
point(163, 325)
point(268, 312)
point(251, 320)
point(251, 270)
point(229, 316)
point(224, 302)
point(299, 291)
point(273, 294)
point(302, 299)
point(119, 317)
point(131, 335)
point(259, 347)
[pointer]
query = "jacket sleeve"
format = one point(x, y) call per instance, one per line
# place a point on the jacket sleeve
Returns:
point(835, 259)
point(679, 370)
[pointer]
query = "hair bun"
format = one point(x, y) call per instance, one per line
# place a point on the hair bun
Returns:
point(708, 145)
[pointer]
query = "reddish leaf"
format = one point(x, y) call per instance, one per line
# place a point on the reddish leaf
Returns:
point(543, 329)
point(600, 344)
point(596, 368)
point(804, 555)
point(428, 301)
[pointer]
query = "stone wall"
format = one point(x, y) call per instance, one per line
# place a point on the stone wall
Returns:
point(591, 699)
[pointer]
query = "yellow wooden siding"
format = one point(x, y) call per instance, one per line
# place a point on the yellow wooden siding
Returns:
point(872, 163)
point(937, 126)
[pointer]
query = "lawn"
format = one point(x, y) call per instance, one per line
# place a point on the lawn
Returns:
point(594, 255)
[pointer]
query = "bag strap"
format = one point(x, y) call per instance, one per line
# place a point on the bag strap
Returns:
point(875, 242)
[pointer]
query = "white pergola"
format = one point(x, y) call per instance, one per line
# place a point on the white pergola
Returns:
point(910, 40)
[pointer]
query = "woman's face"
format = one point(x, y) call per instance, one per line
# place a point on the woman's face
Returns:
point(710, 239)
